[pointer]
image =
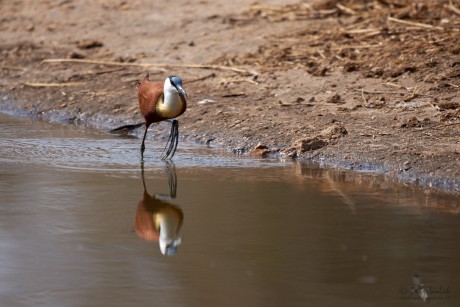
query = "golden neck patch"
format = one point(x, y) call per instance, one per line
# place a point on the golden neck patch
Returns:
point(170, 109)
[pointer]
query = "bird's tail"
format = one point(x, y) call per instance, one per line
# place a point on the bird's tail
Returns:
point(126, 128)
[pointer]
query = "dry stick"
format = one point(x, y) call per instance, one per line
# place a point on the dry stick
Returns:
point(437, 127)
point(345, 9)
point(327, 12)
point(356, 47)
point(264, 7)
point(201, 66)
point(212, 75)
point(362, 31)
point(395, 85)
point(389, 92)
point(414, 24)
point(364, 98)
point(453, 8)
point(414, 94)
point(12, 68)
point(446, 125)
point(32, 84)
point(101, 72)
point(224, 80)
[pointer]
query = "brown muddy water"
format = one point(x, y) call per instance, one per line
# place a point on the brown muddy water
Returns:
point(77, 229)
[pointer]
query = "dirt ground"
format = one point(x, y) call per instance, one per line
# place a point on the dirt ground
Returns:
point(363, 85)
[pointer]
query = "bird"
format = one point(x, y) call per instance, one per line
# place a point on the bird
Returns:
point(162, 101)
point(157, 219)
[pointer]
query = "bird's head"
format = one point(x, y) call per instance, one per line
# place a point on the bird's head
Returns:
point(169, 247)
point(173, 84)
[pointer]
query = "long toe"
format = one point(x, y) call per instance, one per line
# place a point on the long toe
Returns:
point(171, 144)
point(170, 151)
point(167, 149)
point(174, 140)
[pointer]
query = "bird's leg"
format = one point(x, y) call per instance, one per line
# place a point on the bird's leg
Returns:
point(172, 181)
point(143, 140)
point(172, 178)
point(172, 142)
point(143, 177)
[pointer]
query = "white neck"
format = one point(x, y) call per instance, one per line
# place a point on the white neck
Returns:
point(172, 104)
point(168, 232)
point(171, 99)
point(168, 227)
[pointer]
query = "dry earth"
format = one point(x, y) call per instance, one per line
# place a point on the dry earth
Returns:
point(364, 85)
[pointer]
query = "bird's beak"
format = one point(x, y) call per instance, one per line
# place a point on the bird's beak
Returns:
point(182, 94)
point(169, 247)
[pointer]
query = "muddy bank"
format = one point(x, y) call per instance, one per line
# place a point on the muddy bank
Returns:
point(371, 87)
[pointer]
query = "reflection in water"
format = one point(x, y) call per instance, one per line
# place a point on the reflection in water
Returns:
point(280, 234)
point(156, 218)
point(351, 186)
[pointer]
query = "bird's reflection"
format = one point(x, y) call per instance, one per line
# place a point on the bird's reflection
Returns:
point(156, 218)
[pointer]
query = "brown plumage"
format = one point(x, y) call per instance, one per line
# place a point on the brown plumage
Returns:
point(148, 95)
point(162, 101)
point(150, 211)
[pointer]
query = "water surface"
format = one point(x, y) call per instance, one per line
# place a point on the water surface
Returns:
point(254, 232)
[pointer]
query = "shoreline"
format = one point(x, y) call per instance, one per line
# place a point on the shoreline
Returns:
point(389, 172)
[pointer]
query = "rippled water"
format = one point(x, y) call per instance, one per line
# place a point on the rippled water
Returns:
point(75, 218)
point(61, 146)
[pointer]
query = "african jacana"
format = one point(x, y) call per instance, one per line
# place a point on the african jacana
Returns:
point(157, 219)
point(162, 101)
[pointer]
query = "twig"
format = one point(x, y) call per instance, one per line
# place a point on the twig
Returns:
point(107, 71)
point(364, 98)
point(436, 127)
point(365, 33)
point(414, 24)
point(199, 66)
point(239, 81)
point(453, 8)
point(414, 95)
point(233, 95)
point(395, 85)
point(323, 87)
point(327, 12)
point(32, 84)
point(212, 75)
point(389, 92)
point(360, 31)
point(12, 68)
point(283, 104)
point(356, 46)
point(101, 72)
point(380, 92)
point(446, 125)
point(345, 9)
point(371, 128)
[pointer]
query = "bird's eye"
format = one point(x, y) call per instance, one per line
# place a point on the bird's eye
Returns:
point(175, 81)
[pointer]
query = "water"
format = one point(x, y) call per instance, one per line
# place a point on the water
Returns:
point(253, 232)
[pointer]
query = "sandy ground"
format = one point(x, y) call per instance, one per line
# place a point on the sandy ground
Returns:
point(366, 86)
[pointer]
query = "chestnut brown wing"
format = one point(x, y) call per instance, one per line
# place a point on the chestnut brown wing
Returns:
point(149, 94)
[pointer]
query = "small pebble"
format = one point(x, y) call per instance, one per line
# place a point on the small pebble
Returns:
point(205, 101)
